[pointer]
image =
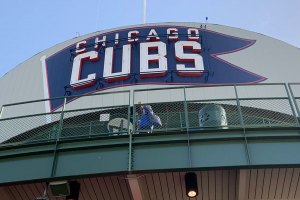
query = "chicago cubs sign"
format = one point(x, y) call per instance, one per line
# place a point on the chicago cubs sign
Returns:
point(146, 55)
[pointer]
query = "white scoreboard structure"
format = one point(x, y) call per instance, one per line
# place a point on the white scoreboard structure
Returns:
point(221, 54)
point(131, 112)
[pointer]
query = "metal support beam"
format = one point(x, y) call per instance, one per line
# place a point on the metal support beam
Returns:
point(239, 107)
point(290, 94)
point(242, 124)
point(54, 164)
point(269, 147)
point(134, 187)
point(186, 112)
point(1, 111)
point(132, 132)
point(243, 184)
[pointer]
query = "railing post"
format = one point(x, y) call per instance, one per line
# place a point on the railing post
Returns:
point(187, 129)
point(1, 111)
point(243, 125)
point(128, 115)
point(292, 100)
point(54, 163)
point(90, 130)
point(239, 107)
point(186, 115)
point(180, 119)
point(61, 121)
point(132, 132)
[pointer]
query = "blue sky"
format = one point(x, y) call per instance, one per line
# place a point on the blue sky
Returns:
point(28, 27)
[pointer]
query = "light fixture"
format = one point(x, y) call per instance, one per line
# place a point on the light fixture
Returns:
point(74, 190)
point(191, 185)
point(68, 189)
point(60, 188)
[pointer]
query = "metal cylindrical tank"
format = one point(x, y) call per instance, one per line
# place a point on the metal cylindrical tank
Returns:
point(212, 115)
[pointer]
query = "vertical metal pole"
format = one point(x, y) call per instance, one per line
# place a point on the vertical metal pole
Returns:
point(180, 119)
point(130, 134)
point(292, 100)
point(128, 114)
point(61, 121)
point(54, 163)
point(187, 129)
point(90, 129)
point(186, 111)
point(243, 125)
point(1, 112)
point(239, 107)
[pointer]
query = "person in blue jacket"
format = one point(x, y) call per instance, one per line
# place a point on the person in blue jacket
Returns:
point(148, 120)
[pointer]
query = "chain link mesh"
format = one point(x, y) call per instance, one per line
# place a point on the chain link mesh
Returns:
point(297, 102)
point(267, 113)
point(32, 128)
point(160, 117)
point(154, 110)
point(213, 114)
point(295, 91)
point(105, 114)
point(96, 122)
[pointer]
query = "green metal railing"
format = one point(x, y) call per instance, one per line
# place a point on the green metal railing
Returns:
point(178, 108)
